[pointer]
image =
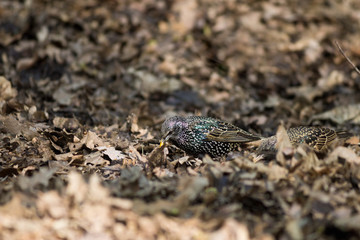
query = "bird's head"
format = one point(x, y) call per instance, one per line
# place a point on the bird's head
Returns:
point(171, 128)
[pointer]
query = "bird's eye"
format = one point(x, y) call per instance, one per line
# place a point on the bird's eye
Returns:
point(178, 125)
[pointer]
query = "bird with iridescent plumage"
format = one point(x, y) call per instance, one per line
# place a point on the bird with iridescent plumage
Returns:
point(204, 135)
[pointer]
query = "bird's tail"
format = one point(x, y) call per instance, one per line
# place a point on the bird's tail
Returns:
point(344, 134)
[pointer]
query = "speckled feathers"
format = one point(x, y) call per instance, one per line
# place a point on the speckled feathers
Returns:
point(319, 138)
point(200, 135)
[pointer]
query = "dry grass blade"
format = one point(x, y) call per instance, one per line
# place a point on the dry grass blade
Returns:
point(346, 57)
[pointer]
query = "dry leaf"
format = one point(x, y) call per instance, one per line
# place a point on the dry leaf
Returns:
point(345, 153)
point(113, 154)
point(6, 91)
point(340, 114)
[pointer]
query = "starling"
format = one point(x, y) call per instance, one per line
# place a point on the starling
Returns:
point(318, 138)
point(201, 135)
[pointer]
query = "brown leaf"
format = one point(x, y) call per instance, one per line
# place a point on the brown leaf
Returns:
point(345, 153)
point(92, 141)
point(113, 154)
point(340, 114)
point(95, 159)
point(6, 90)
point(134, 154)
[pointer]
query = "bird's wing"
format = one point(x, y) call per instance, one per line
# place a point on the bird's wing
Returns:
point(316, 137)
point(325, 138)
point(344, 134)
point(225, 132)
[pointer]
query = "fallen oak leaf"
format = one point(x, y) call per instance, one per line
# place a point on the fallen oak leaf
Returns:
point(134, 154)
point(92, 141)
point(96, 159)
point(112, 153)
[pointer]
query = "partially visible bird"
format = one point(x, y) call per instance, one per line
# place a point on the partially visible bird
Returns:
point(201, 135)
point(318, 138)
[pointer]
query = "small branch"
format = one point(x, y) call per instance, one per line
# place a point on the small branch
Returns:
point(347, 58)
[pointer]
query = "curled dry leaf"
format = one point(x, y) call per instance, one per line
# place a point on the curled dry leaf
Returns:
point(92, 140)
point(340, 114)
point(134, 154)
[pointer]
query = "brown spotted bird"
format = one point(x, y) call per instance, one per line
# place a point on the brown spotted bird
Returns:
point(318, 138)
point(204, 135)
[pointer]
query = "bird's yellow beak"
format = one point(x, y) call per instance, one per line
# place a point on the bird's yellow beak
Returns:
point(164, 139)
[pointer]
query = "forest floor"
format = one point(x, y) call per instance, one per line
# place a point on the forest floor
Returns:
point(85, 86)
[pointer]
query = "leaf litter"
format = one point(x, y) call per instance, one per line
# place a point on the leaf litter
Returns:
point(85, 86)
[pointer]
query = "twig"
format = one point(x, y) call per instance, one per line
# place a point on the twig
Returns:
point(347, 58)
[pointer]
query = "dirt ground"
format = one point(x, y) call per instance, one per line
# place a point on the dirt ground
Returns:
point(85, 86)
